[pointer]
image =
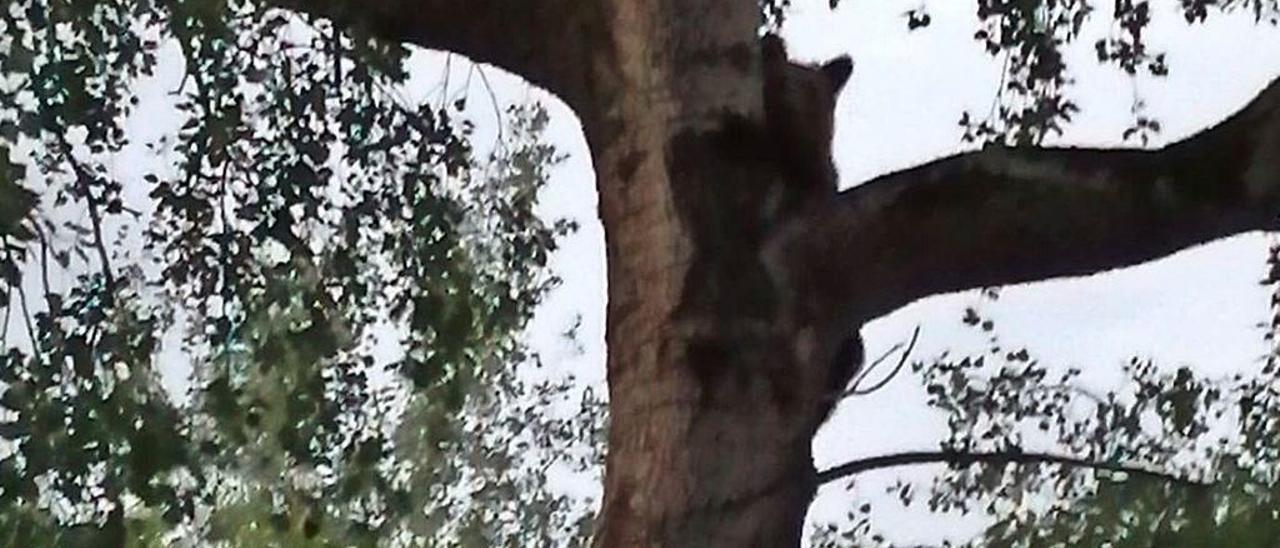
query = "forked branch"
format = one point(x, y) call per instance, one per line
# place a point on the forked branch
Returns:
point(856, 388)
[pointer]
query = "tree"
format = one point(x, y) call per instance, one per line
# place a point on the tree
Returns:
point(724, 320)
point(720, 348)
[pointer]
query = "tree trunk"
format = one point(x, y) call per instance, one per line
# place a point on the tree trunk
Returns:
point(712, 402)
point(718, 377)
point(731, 329)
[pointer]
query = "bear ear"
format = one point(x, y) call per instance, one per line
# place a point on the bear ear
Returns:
point(774, 48)
point(837, 72)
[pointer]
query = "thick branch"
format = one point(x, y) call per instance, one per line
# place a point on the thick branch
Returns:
point(959, 458)
point(547, 42)
point(1002, 216)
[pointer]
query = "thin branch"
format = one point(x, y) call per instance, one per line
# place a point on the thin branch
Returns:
point(44, 266)
point(26, 310)
point(853, 388)
point(493, 100)
point(958, 458)
point(337, 60)
point(1004, 75)
point(466, 85)
point(228, 261)
point(83, 180)
point(448, 71)
point(1050, 388)
point(8, 311)
point(896, 347)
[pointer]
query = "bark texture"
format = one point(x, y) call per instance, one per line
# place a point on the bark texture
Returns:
point(701, 361)
point(724, 317)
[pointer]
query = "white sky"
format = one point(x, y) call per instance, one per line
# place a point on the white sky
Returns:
point(1198, 307)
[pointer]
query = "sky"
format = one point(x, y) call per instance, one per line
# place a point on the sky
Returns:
point(1199, 307)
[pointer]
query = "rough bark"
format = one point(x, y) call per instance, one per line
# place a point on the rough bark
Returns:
point(722, 320)
point(710, 415)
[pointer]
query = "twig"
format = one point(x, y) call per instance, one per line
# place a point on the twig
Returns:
point(493, 99)
point(83, 178)
point(228, 262)
point(876, 362)
point(44, 265)
point(337, 61)
point(1097, 400)
point(995, 101)
point(8, 311)
point(466, 85)
point(996, 458)
point(448, 69)
point(26, 311)
point(855, 391)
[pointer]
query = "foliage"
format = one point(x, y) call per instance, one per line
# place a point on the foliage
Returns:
point(1213, 441)
point(1030, 37)
point(301, 214)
